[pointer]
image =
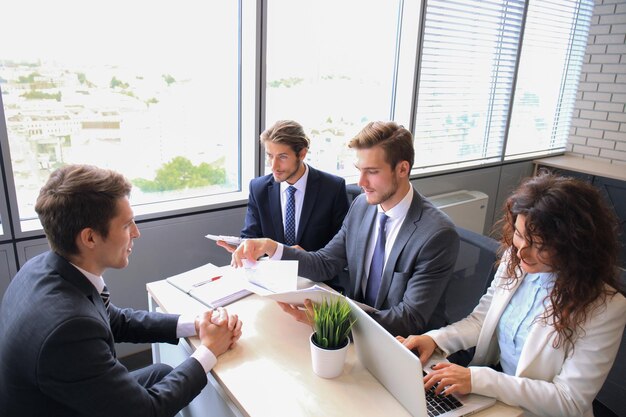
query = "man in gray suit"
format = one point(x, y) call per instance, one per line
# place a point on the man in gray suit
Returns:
point(58, 326)
point(400, 250)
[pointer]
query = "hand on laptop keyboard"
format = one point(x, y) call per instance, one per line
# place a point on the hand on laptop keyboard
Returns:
point(454, 378)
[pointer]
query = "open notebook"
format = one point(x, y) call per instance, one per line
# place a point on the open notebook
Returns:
point(218, 286)
point(211, 285)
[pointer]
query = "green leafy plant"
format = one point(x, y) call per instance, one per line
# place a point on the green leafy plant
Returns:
point(332, 322)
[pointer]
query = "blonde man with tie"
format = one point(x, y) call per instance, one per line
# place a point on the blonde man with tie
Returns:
point(400, 250)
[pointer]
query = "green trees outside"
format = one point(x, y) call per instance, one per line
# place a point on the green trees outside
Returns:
point(180, 173)
point(28, 79)
point(117, 83)
point(285, 82)
point(38, 95)
point(169, 80)
point(82, 79)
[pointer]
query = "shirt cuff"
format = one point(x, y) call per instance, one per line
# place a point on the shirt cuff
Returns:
point(206, 358)
point(278, 255)
point(186, 326)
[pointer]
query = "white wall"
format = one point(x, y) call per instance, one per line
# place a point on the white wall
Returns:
point(599, 121)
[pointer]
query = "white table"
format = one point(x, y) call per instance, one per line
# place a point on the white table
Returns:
point(269, 372)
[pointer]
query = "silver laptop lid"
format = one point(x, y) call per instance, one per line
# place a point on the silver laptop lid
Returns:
point(398, 369)
point(393, 365)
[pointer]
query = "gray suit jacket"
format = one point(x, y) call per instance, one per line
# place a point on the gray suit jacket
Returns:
point(416, 273)
point(57, 351)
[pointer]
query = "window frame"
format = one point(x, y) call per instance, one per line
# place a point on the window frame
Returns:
point(6, 225)
point(248, 117)
point(252, 95)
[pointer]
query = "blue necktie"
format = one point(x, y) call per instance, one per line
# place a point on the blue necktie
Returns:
point(290, 217)
point(378, 263)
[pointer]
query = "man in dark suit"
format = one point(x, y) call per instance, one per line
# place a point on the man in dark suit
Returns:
point(400, 250)
point(320, 198)
point(58, 326)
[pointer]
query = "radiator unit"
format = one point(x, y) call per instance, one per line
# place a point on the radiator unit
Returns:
point(467, 209)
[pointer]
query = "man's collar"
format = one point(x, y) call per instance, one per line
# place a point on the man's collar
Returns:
point(300, 184)
point(400, 209)
point(96, 280)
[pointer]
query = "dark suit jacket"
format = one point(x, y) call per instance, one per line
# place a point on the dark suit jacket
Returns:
point(323, 209)
point(417, 271)
point(57, 354)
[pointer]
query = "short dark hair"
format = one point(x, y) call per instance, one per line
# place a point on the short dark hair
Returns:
point(287, 132)
point(76, 197)
point(394, 139)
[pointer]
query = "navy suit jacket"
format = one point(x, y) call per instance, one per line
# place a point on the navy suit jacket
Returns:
point(323, 209)
point(57, 352)
point(417, 271)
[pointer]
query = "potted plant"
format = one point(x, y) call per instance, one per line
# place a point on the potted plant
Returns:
point(332, 321)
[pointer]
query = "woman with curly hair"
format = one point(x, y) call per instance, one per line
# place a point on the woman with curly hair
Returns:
point(548, 329)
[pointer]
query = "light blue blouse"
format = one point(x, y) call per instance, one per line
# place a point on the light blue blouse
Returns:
point(527, 304)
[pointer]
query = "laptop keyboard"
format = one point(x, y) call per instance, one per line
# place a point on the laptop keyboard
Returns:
point(437, 405)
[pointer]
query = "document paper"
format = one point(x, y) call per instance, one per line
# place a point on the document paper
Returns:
point(268, 276)
point(188, 280)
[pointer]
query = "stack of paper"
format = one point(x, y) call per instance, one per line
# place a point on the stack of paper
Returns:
point(268, 277)
point(316, 294)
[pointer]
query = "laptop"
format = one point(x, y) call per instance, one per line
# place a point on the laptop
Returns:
point(400, 371)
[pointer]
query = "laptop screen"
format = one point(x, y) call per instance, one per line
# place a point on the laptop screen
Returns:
point(398, 369)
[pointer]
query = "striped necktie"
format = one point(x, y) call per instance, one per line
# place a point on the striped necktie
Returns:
point(290, 217)
point(106, 297)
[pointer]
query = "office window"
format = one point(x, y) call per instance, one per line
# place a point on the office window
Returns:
point(466, 77)
point(330, 65)
point(555, 38)
point(147, 88)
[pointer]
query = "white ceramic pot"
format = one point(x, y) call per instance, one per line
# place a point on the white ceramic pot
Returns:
point(328, 363)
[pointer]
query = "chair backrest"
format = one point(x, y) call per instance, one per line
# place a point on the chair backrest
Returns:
point(353, 191)
point(613, 391)
point(473, 273)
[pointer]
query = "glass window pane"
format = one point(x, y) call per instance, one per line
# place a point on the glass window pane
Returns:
point(330, 66)
point(554, 45)
point(465, 82)
point(148, 88)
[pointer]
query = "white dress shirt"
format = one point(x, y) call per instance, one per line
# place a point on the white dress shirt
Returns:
point(396, 215)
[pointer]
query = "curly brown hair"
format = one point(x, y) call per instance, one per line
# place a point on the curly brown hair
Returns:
point(579, 231)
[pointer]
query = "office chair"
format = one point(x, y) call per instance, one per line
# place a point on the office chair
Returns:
point(473, 272)
point(610, 400)
point(353, 191)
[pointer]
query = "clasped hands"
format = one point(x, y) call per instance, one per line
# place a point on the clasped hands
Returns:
point(217, 330)
point(447, 377)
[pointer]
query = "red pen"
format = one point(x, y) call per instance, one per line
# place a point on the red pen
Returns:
point(197, 284)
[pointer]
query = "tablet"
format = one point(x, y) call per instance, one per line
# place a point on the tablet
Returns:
point(231, 240)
